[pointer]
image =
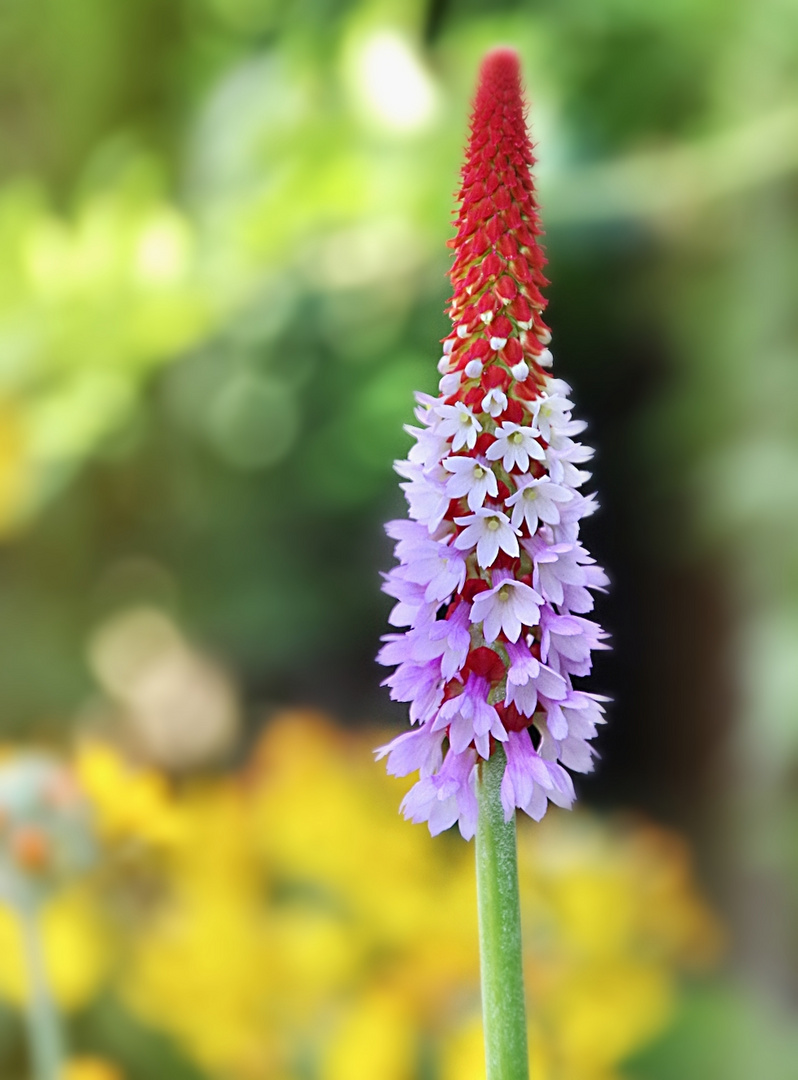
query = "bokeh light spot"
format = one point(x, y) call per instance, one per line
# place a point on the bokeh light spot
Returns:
point(395, 88)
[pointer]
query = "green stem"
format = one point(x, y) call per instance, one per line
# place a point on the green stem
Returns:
point(44, 1028)
point(503, 1009)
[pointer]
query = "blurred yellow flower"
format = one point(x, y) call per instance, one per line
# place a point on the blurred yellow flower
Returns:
point(130, 804)
point(610, 913)
point(377, 1038)
point(203, 968)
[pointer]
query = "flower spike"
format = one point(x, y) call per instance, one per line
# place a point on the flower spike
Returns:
point(492, 584)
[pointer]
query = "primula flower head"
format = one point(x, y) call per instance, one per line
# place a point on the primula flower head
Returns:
point(492, 582)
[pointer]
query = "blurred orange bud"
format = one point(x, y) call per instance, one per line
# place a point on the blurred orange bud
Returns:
point(30, 848)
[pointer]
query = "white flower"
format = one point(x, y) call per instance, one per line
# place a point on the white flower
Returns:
point(473, 369)
point(494, 402)
point(472, 477)
point(520, 371)
point(537, 500)
point(507, 607)
point(551, 412)
point(515, 445)
point(458, 422)
point(488, 530)
point(497, 343)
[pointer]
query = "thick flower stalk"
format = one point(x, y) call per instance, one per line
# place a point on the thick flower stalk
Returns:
point(493, 585)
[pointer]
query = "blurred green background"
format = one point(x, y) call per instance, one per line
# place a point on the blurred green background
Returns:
point(222, 275)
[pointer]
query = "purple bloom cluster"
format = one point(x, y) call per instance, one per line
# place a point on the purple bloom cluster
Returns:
point(494, 603)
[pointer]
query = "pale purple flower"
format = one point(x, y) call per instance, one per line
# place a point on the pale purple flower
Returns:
point(447, 796)
point(574, 753)
point(418, 750)
point(571, 513)
point(523, 665)
point(505, 609)
point(425, 491)
point(562, 457)
point(557, 565)
point(429, 446)
point(529, 680)
point(521, 783)
point(420, 684)
point(469, 717)
point(567, 641)
point(530, 781)
point(439, 566)
point(412, 609)
point(451, 640)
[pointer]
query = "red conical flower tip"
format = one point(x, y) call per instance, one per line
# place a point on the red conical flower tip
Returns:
point(497, 272)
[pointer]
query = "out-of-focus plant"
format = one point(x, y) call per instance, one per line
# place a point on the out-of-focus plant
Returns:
point(90, 304)
point(45, 841)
